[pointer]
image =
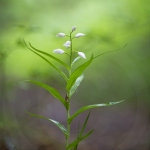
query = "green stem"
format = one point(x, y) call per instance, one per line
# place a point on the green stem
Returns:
point(68, 111)
point(68, 127)
point(70, 53)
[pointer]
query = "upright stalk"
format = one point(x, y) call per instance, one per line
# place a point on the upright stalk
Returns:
point(68, 98)
point(70, 52)
point(68, 126)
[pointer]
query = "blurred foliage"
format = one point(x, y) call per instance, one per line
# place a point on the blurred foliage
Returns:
point(108, 25)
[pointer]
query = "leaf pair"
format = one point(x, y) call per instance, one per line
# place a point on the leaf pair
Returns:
point(64, 130)
point(79, 136)
point(77, 73)
point(36, 51)
point(76, 77)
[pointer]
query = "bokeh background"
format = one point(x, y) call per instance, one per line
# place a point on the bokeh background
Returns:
point(124, 74)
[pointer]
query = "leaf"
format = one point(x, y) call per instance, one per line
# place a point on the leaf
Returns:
point(59, 125)
point(64, 76)
point(77, 73)
point(76, 59)
point(76, 84)
point(51, 56)
point(73, 144)
point(84, 125)
point(52, 90)
point(90, 107)
point(109, 52)
point(82, 130)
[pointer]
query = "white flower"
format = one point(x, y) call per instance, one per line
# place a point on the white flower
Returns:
point(60, 34)
point(81, 54)
point(67, 44)
point(79, 35)
point(73, 28)
point(58, 51)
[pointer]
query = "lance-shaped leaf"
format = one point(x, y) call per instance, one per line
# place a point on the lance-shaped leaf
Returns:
point(77, 73)
point(82, 130)
point(109, 52)
point(84, 125)
point(52, 90)
point(59, 125)
point(76, 84)
point(73, 144)
point(51, 56)
point(64, 76)
point(90, 107)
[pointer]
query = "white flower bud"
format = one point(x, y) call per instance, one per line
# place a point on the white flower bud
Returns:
point(58, 51)
point(67, 44)
point(73, 28)
point(60, 34)
point(79, 35)
point(81, 54)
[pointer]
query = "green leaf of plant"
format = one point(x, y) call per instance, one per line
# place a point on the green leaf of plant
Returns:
point(76, 59)
point(82, 130)
point(64, 76)
point(52, 90)
point(90, 107)
point(73, 144)
point(59, 125)
point(84, 125)
point(51, 56)
point(77, 73)
point(76, 84)
point(109, 52)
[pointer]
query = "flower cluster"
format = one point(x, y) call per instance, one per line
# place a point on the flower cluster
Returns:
point(67, 44)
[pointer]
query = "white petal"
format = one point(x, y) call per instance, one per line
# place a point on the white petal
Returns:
point(79, 35)
point(81, 54)
point(60, 34)
point(73, 28)
point(58, 51)
point(67, 44)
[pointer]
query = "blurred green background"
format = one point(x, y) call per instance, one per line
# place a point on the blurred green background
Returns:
point(124, 74)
